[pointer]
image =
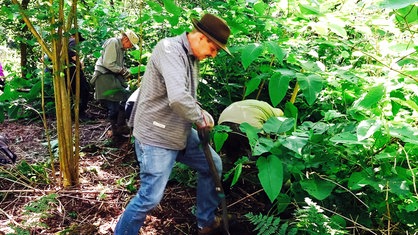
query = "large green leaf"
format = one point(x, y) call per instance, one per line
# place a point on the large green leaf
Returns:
point(270, 174)
point(338, 29)
point(252, 85)
point(318, 188)
point(291, 110)
point(260, 8)
point(406, 133)
point(158, 18)
point(262, 145)
point(295, 143)
point(309, 10)
point(276, 125)
point(346, 138)
point(155, 6)
point(283, 200)
point(250, 131)
point(358, 180)
point(367, 128)
point(407, 103)
point(410, 205)
point(398, 186)
point(171, 7)
point(278, 85)
point(373, 96)
point(219, 139)
point(276, 50)
point(174, 20)
point(250, 53)
point(396, 4)
point(310, 85)
point(407, 14)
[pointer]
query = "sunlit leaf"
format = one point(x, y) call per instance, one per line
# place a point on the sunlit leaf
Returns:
point(309, 10)
point(373, 96)
point(367, 128)
point(358, 180)
point(260, 8)
point(250, 53)
point(174, 20)
point(338, 29)
point(278, 87)
point(310, 85)
point(278, 125)
point(318, 188)
point(345, 138)
point(158, 18)
point(396, 4)
point(407, 103)
point(155, 6)
point(295, 143)
point(406, 133)
point(171, 7)
point(276, 50)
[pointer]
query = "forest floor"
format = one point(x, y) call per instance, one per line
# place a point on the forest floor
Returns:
point(31, 202)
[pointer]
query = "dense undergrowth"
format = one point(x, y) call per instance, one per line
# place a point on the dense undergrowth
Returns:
point(343, 159)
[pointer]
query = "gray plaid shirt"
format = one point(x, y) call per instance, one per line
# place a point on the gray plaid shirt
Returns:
point(167, 105)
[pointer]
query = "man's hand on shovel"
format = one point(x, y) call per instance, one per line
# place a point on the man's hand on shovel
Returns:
point(204, 136)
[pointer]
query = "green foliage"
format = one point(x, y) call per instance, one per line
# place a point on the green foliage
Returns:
point(270, 174)
point(42, 205)
point(347, 140)
point(128, 182)
point(32, 173)
point(183, 175)
point(312, 220)
point(266, 225)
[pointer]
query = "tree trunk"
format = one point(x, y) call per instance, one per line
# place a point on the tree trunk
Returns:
point(68, 153)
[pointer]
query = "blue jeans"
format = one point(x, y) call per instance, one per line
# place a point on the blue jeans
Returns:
point(156, 165)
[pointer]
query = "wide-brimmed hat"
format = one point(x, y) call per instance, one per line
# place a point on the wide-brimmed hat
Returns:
point(133, 38)
point(215, 29)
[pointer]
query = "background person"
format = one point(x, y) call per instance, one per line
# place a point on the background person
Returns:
point(84, 85)
point(110, 77)
point(1, 78)
point(255, 113)
point(165, 111)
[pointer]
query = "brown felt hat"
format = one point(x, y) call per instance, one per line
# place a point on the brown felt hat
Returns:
point(215, 29)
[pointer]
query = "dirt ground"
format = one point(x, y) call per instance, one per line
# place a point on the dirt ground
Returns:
point(108, 179)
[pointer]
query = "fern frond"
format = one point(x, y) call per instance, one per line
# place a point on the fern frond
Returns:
point(264, 224)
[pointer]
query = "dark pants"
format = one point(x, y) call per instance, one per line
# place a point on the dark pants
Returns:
point(117, 117)
point(1, 84)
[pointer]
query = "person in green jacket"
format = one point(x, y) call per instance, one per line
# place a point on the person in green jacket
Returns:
point(110, 77)
point(253, 112)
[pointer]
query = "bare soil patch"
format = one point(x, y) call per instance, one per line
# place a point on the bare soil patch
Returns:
point(108, 179)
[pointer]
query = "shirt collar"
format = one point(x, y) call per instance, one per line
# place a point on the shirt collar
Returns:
point(186, 44)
